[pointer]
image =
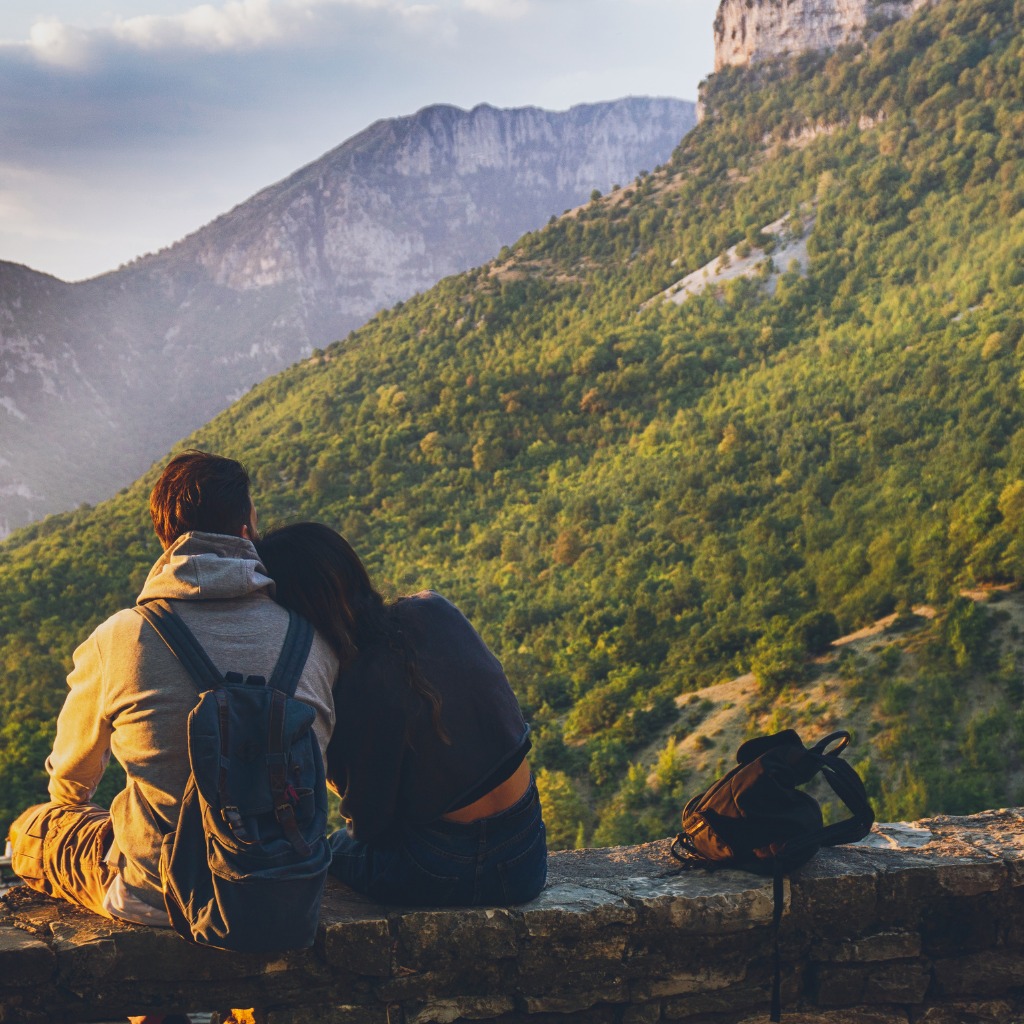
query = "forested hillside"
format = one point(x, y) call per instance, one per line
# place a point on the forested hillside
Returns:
point(634, 500)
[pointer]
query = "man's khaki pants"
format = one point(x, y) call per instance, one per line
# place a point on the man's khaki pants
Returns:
point(59, 850)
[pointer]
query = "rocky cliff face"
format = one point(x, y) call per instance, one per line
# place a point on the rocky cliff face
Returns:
point(100, 378)
point(748, 31)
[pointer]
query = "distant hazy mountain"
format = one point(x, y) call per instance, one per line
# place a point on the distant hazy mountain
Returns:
point(99, 378)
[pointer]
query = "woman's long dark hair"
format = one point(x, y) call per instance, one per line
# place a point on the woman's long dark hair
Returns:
point(319, 575)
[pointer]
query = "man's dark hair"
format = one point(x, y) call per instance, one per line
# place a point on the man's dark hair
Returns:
point(200, 491)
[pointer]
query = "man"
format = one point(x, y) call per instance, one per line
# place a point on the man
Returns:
point(129, 696)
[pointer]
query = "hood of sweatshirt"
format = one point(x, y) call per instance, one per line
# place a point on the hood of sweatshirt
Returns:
point(206, 567)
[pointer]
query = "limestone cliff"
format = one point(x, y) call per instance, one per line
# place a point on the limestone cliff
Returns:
point(749, 31)
point(99, 378)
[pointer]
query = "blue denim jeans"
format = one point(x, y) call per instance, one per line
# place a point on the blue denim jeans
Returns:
point(495, 861)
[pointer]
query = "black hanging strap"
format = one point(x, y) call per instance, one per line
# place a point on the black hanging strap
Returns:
point(778, 899)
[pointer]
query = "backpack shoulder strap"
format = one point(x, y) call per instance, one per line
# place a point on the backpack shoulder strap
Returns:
point(182, 643)
point(294, 652)
point(285, 677)
point(847, 785)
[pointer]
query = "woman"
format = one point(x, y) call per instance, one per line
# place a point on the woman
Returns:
point(429, 750)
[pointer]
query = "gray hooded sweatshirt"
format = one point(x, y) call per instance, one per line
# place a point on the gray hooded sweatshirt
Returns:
point(129, 696)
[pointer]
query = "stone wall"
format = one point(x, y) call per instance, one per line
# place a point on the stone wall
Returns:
point(917, 923)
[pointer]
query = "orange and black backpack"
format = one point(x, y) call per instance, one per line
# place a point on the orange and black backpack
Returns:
point(756, 817)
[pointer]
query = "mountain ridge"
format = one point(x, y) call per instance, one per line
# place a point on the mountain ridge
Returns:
point(108, 372)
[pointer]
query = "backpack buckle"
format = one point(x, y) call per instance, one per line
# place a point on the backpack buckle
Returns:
point(234, 821)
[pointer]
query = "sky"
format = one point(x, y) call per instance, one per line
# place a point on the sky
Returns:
point(127, 124)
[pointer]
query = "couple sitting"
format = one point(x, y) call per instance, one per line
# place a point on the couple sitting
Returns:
point(421, 734)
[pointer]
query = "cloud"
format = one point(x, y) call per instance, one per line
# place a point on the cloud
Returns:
point(249, 25)
point(500, 8)
point(238, 24)
point(133, 131)
point(53, 42)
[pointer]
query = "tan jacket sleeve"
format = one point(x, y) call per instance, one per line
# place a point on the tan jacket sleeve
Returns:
point(82, 747)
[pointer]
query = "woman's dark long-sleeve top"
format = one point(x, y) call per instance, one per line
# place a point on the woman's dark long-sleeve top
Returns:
point(386, 759)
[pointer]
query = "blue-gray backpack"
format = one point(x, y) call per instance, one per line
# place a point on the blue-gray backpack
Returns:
point(246, 866)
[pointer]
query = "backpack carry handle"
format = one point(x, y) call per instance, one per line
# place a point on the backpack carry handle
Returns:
point(821, 747)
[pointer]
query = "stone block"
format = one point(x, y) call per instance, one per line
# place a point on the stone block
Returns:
point(576, 955)
point(1012, 915)
point(986, 1011)
point(573, 1002)
point(1015, 868)
point(22, 907)
point(734, 1001)
point(86, 951)
point(328, 1014)
point(871, 948)
point(991, 973)
point(649, 860)
point(958, 925)
point(752, 995)
point(473, 978)
point(95, 948)
point(607, 1014)
point(997, 833)
point(642, 1013)
point(904, 982)
point(859, 1016)
point(25, 960)
point(447, 1011)
point(965, 861)
point(837, 886)
point(701, 902)
point(711, 977)
point(362, 947)
point(354, 933)
point(654, 953)
point(576, 909)
point(556, 982)
point(571, 931)
point(920, 868)
point(13, 1010)
point(972, 877)
point(430, 938)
